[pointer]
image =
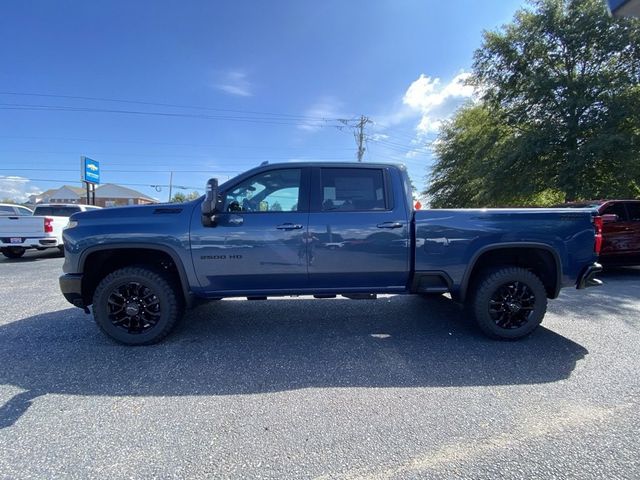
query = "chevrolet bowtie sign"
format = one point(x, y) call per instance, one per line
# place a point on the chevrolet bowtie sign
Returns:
point(90, 170)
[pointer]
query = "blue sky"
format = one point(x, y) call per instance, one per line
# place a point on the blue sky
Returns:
point(222, 86)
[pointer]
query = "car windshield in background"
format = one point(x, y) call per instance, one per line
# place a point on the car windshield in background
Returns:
point(56, 211)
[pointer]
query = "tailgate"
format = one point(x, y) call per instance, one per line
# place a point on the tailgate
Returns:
point(21, 226)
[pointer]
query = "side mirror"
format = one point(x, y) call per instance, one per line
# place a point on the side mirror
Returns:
point(210, 203)
point(609, 218)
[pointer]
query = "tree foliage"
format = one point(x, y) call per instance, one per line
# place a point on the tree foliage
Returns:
point(557, 116)
point(181, 197)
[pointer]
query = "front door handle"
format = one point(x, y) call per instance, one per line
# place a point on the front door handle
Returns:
point(236, 220)
point(289, 226)
point(390, 225)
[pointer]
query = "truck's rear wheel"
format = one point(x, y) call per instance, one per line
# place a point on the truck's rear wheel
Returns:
point(13, 252)
point(509, 303)
point(136, 306)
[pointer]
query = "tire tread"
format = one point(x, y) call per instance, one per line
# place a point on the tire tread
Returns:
point(488, 282)
point(166, 289)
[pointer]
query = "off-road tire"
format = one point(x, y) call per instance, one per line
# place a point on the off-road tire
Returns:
point(164, 289)
point(13, 252)
point(490, 284)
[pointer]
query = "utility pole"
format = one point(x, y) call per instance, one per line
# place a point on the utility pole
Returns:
point(360, 138)
point(170, 185)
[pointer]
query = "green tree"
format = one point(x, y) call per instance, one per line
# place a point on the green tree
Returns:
point(559, 96)
point(468, 151)
point(181, 197)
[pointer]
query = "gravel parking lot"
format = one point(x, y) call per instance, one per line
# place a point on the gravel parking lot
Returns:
point(399, 387)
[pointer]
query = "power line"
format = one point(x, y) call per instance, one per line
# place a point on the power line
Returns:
point(257, 120)
point(206, 145)
point(158, 104)
point(20, 169)
point(204, 156)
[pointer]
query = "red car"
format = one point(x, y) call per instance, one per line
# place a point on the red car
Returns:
point(620, 234)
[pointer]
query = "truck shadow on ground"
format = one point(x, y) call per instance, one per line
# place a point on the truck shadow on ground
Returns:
point(248, 347)
point(33, 256)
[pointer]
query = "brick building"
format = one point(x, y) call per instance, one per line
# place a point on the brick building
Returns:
point(107, 195)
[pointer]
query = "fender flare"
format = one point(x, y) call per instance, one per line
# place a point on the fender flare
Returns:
point(464, 283)
point(182, 274)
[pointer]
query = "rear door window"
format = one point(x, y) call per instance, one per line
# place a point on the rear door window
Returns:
point(23, 211)
point(616, 209)
point(633, 208)
point(355, 189)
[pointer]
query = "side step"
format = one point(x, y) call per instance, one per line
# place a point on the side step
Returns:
point(360, 296)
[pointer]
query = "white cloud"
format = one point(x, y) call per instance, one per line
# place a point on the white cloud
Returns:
point(235, 83)
point(376, 137)
point(17, 188)
point(326, 108)
point(436, 101)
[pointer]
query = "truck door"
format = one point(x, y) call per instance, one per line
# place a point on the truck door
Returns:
point(257, 241)
point(359, 232)
point(633, 210)
point(616, 236)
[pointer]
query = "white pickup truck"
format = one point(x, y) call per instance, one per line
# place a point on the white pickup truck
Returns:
point(41, 230)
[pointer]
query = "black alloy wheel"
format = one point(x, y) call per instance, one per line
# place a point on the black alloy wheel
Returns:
point(512, 304)
point(133, 307)
point(508, 302)
point(137, 305)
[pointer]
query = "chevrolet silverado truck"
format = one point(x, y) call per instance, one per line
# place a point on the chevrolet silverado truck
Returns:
point(40, 230)
point(265, 232)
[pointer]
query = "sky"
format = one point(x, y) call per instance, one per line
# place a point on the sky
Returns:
point(212, 88)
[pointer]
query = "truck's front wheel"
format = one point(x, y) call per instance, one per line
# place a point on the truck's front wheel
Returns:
point(509, 302)
point(136, 306)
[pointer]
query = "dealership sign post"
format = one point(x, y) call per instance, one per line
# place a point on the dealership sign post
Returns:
point(90, 176)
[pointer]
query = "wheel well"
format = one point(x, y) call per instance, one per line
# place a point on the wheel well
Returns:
point(101, 263)
point(537, 260)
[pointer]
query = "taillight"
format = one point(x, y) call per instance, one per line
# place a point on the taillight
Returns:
point(597, 223)
point(48, 225)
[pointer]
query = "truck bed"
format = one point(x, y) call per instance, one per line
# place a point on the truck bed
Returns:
point(451, 241)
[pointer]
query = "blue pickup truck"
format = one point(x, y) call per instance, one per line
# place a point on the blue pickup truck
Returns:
point(321, 229)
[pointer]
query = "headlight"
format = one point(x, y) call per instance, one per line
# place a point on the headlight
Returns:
point(71, 224)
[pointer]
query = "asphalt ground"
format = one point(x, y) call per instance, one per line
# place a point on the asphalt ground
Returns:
point(399, 387)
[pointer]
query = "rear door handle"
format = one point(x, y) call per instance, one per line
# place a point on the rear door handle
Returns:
point(289, 226)
point(390, 225)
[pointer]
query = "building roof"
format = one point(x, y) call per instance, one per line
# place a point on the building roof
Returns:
point(46, 193)
point(111, 190)
point(63, 191)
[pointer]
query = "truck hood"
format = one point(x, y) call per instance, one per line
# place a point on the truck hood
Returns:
point(134, 211)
